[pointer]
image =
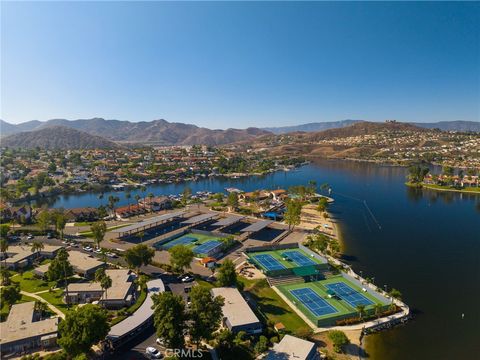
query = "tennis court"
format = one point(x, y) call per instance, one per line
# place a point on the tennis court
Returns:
point(345, 292)
point(298, 258)
point(206, 247)
point(268, 262)
point(184, 240)
point(313, 302)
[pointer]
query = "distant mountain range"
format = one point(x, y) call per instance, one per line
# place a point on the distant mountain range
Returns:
point(101, 133)
point(57, 137)
point(156, 132)
point(459, 125)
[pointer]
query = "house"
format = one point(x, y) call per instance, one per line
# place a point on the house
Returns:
point(254, 196)
point(17, 213)
point(25, 330)
point(157, 203)
point(237, 314)
point(292, 347)
point(278, 194)
point(21, 256)
point(121, 293)
point(128, 211)
point(82, 214)
point(83, 264)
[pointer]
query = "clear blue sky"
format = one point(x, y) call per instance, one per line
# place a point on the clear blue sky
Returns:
point(224, 65)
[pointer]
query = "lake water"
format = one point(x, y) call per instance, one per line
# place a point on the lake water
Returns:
point(424, 243)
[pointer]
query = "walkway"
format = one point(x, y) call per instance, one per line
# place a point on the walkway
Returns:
point(39, 298)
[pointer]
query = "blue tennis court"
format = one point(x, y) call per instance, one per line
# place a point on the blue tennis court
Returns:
point(313, 302)
point(207, 247)
point(268, 262)
point(348, 294)
point(180, 241)
point(298, 258)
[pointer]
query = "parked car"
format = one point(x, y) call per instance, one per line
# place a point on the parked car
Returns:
point(187, 278)
point(153, 353)
point(49, 236)
point(30, 237)
point(98, 250)
point(87, 248)
point(111, 255)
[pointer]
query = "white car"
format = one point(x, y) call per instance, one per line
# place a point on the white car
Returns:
point(98, 250)
point(30, 237)
point(87, 248)
point(111, 255)
point(187, 279)
point(153, 353)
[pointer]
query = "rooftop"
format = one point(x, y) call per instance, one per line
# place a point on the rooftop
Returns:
point(257, 226)
point(148, 222)
point(20, 324)
point(235, 309)
point(291, 347)
point(18, 253)
point(82, 262)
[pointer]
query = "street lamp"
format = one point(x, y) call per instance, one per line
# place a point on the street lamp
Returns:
point(385, 286)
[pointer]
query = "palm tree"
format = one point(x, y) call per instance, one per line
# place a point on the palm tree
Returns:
point(361, 311)
point(4, 276)
point(378, 309)
point(37, 246)
point(140, 235)
point(128, 195)
point(4, 249)
point(150, 197)
point(143, 188)
point(112, 200)
point(137, 198)
point(106, 283)
point(41, 308)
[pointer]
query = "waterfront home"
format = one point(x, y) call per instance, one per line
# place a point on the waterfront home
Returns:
point(237, 314)
point(278, 195)
point(26, 330)
point(292, 347)
point(83, 264)
point(125, 212)
point(21, 256)
point(156, 203)
point(121, 293)
point(83, 214)
point(16, 213)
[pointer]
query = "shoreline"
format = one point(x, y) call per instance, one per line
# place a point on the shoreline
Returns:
point(445, 189)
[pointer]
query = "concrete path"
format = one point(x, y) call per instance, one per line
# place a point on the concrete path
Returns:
point(51, 307)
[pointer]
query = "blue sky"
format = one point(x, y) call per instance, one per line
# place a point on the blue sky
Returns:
point(228, 64)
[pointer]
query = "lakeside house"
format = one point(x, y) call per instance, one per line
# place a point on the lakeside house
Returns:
point(82, 214)
point(125, 212)
point(21, 256)
point(121, 293)
point(156, 203)
point(237, 314)
point(292, 347)
point(83, 264)
point(25, 330)
point(19, 214)
point(462, 181)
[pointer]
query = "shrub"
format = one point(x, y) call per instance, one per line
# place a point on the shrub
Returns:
point(339, 339)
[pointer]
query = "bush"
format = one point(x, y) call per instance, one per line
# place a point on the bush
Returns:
point(339, 339)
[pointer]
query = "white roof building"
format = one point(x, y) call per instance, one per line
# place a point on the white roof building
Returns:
point(293, 348)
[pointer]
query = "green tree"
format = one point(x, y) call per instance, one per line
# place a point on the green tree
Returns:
point(169, 318)
point(41, 308)
point(138, 256)
point(60, 222)
point(225, 339)
point(205, 313)
point(227, 275)
point(262, 345)
point(4, 229)
point(43, 220)
point(60, 268)
point(82, 328)
point(4, 249)
point(180, 258)
point(361, 311)
point(106, 283)
point(322, 204)
point(112, 201)
point(232, 200)
point(10, 294)
point(187, 192)
point(378, 308)
point(417, 173)
point(4, 276)
point(339, 339)
point(36, 247)
point(293, 213)
point(98, 230)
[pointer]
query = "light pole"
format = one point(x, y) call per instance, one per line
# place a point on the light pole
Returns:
point(385, 287)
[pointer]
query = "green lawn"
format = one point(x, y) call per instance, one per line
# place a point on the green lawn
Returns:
point(56, 299)
point(29, 283)
point(4, 310)
point(272, 308)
